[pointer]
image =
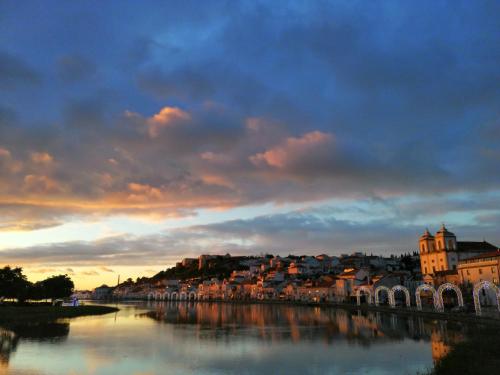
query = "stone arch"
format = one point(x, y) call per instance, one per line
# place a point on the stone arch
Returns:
point(151, 296)
point(484, 285)
point(192, 296)
point(367, 290)
point(397, 288)
point(377, 293)
point(166, 296)
point(449, 286)
point(426, 287)
point(183, 296)
point(174, 296)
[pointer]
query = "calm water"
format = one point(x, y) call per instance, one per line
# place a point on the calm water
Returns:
point(182, 338)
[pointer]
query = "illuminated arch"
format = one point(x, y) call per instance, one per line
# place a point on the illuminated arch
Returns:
point(397, 288)
point(192, 296)
point(166, 296)
point(367, 290)
point(377, 293)
point(174, 296)
point(151, 296)
point(484, 285)
point(426, 287)
point(449, 286)
point(183, 296)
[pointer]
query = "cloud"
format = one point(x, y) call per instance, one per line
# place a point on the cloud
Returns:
point(74, 68)
point(168, 116)
point(247, 110)
point(40, 184)
point(310, 231)
point(14, 73)
point(106, 269)
point(295, 150)
point(41, 157)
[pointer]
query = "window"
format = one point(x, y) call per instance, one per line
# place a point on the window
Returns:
point(493, 270)
point(468, 273)
point(425, 262)
point(425, 269)
point(450, 244)
point(433, 261)
point(454, 266)
point(480, 271)
point(433, 269)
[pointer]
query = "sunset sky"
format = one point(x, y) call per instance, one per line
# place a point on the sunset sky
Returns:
point(136, 133)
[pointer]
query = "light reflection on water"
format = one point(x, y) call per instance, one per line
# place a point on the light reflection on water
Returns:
point(212, 338)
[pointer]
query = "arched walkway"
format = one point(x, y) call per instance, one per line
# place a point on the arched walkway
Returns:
point(397, 288)
point(166, 296)
point(183, 296)
point(192, 296)
point(377, 294)
point(174, 296)
point(151, 296)
point(430, 288)
point(449, 286)
point(478, 288)
point(366, 291)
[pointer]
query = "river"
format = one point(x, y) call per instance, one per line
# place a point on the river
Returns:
point(219, 338)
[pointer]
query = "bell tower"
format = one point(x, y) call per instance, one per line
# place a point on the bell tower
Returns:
point(445, 240)
point(426, 248)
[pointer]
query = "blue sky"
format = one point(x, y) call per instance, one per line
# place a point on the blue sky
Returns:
point(133, 133)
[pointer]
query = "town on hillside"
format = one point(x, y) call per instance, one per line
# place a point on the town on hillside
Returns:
point(440, 261)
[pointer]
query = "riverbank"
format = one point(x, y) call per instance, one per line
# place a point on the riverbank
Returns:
point(10, 314)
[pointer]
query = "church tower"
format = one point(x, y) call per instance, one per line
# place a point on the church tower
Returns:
point(427, 247)
point(445, 240)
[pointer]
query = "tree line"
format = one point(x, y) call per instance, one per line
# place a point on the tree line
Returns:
point(14, 284)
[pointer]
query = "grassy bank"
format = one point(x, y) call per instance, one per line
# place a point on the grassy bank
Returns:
point(480, 354)
point(39, 314)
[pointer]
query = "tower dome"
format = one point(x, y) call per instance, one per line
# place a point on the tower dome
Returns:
point(445, 240)
point(426, 235)
point(445, 232)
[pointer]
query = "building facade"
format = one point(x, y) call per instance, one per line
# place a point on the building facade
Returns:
point(485, 267)
point(443, 252)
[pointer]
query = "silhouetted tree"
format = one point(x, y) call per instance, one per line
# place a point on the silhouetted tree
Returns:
point(13, 283)
point(57, 287)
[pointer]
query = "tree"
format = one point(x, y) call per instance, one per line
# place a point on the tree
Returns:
point(13, 283)
point(57, 287)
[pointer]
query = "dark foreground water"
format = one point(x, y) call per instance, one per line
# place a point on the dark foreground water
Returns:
point(203, 338)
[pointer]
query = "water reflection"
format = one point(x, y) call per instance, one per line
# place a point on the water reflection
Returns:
point(274, 323)
point(213, 338)
point(52, 332)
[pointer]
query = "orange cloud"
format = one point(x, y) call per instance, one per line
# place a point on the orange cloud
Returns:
point(4, 153)
point(292, 149)
point(166, 117)
point(41, 157)
point(141, 193)
point(41, 184)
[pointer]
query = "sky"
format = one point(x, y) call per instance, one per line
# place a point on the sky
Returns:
point(133, 134)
